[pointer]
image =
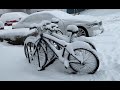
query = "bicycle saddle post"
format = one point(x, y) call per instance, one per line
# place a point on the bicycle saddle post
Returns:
point(72, 28)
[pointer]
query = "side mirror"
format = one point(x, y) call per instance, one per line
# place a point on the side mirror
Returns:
point(55, 20)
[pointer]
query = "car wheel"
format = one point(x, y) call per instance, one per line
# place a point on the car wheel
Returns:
point(82, 32)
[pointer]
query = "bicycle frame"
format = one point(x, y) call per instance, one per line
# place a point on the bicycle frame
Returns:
point(66, 47)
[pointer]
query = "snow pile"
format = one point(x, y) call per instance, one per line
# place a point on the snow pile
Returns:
point(16, 35)
point(105, 15)
point(13, 33)
point(74, 28)
point(100, 12)
point(1, 24)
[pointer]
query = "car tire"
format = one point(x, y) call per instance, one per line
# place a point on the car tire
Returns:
point(82, 32)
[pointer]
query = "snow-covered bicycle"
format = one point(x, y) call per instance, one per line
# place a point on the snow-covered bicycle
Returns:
point(77, 56)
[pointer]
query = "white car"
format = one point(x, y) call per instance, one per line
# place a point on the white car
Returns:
point(9, 18)
point(63, 19)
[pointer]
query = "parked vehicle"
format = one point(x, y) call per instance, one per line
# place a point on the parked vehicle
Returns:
point(63, 19)
point(9, 18)
point(1, 25)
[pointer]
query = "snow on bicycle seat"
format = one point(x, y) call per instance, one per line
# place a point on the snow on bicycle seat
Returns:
point(72, 28)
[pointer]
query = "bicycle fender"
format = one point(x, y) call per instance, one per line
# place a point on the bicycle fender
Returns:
point(80, 44)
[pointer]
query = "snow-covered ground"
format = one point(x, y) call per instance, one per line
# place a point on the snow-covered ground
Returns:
point(14, 65)
point(10, 33)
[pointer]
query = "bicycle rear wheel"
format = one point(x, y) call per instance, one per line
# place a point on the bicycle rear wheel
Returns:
point(40, 56)
point(90, 62)
point(28, 50)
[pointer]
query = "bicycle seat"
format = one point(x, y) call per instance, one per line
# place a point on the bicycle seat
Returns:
point(72, 28)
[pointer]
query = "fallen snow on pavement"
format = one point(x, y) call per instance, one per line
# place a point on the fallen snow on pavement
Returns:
point(13, 33)
point(14, 65)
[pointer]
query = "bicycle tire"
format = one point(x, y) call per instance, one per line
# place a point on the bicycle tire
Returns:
point(40, 56)
point(50, 54)
point(87, 66)
point(25, 50)
point(28, 47)
point(91, 45)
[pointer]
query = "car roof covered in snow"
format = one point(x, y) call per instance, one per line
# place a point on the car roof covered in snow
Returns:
point(12, 16)
point(56, 13)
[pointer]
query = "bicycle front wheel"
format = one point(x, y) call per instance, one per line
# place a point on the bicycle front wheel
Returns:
point(90, 62)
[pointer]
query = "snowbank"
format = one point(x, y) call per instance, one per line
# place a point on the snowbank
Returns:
point(100, 12)
point(105, 15)
point(1, 24)
point(17, 35)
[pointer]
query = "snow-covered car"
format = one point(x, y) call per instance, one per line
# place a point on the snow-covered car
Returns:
point(1, 25)
point(63, 19)
point(9, 18)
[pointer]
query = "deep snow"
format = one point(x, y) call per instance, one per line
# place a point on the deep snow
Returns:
point(14, 65)
point(13, 33)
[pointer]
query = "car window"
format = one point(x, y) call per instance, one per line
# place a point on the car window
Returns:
point(47, 16)
point(39, 17)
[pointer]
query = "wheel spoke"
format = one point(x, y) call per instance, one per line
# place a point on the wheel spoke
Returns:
point(90, 62)
point(36, 54)
point(81, 32)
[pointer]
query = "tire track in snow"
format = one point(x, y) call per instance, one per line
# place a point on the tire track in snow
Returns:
point(108, 45)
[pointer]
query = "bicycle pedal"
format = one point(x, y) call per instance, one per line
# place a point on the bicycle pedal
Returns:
point(74, 72)
point(41, 69)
